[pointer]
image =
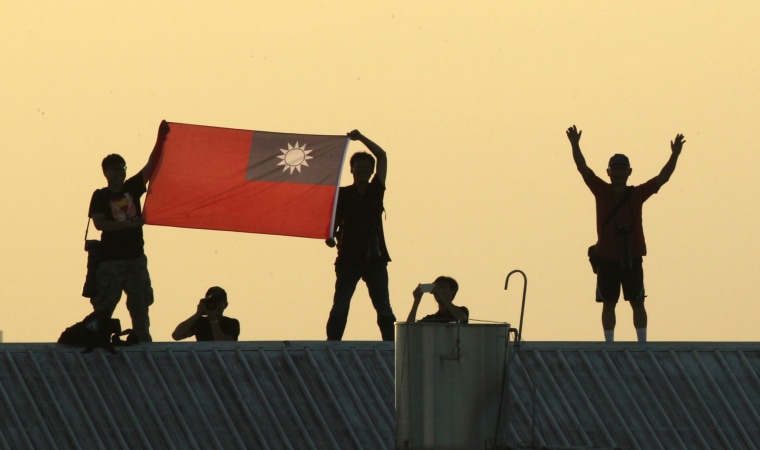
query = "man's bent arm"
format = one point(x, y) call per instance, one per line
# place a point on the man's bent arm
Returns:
point(219, 334)
point(184, 329)
point(454, 310)
point(417, 295)
point(382, 159)
point(104, 224)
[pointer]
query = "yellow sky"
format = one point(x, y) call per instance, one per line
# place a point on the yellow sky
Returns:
point(470, 102)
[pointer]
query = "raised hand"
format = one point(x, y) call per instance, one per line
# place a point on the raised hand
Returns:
point(354, 135)
point(677, 144)
point(574, 135)
point(163, 130)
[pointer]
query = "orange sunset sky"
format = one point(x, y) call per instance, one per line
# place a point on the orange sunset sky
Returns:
point(469, 99)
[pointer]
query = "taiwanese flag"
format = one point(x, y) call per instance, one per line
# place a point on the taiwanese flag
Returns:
point(250, 181)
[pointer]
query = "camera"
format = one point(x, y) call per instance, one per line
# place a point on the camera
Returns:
point(92, 246)
point(215, 296)
point(211, 303)
point(426, 287)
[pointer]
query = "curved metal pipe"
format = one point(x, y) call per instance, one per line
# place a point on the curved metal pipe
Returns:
point(522, 310)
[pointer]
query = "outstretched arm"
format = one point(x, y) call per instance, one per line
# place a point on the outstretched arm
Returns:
point(147, 171)
point(382, 160)
point(675, 151)
point(574, 136)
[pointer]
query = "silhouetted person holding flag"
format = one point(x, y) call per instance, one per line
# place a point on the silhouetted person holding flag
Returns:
point(618, 253)
point(362, 253)
point(115, 210)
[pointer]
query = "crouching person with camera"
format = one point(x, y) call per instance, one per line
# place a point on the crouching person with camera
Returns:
point(209, 322)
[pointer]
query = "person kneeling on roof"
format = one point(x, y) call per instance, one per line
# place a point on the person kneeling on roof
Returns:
point(209, 322)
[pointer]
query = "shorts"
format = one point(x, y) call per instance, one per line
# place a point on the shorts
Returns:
point(130, 276)
point(610, 277)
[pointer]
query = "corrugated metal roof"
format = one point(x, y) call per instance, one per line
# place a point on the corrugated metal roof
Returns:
point(632, 396)
point(294, 395)
point(267, 395)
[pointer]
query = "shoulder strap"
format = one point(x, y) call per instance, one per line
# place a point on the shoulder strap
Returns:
point(622, 201)
point(87, 229)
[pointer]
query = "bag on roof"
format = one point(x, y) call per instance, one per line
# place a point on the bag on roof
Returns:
point(97, 330)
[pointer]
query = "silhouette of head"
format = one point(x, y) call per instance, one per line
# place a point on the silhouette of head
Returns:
point(449, 283)
point(362, 166)
point(362, 156)
point(619, 159)
point(113, 161)
point(216, 297)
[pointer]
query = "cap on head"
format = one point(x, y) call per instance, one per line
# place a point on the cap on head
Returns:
point(217, 293)
point(619, 159)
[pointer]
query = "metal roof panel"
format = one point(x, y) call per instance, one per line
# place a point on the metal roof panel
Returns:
point(294, 395)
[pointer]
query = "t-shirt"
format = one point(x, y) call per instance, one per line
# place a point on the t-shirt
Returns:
point(203, 332)
point(610, 243)
point(120, 207)
point(358, 218)
point(446, 316)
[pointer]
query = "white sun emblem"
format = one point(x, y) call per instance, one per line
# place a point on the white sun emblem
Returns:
point(294, 157)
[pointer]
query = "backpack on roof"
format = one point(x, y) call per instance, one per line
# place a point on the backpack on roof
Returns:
point(97, 330)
